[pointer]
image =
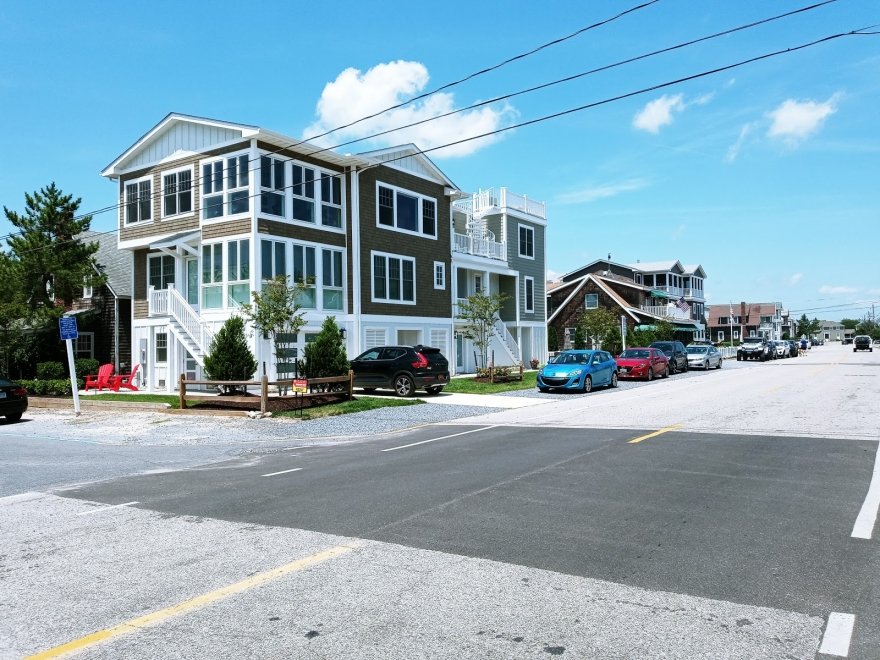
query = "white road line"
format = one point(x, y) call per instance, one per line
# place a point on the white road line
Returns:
point(423, 442)
point(837, 635)
point(104, 508)
point(864, 526)
point(272, 474)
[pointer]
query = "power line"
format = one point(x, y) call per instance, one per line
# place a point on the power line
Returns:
point(595, 104)
point(197, 179)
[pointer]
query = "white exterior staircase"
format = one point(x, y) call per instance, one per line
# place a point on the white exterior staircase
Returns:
point(185, 323)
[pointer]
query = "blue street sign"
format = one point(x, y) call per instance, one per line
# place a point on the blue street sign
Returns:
point(67, 325)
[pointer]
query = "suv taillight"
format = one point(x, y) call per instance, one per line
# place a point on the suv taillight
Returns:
point(421, 362)
point(20, 391)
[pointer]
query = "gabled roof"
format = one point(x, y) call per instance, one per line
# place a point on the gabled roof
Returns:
point(605, 262)
point(116, 264)
point(409, 158)
point(695, 269)
point(602, 283)
point(179, 135)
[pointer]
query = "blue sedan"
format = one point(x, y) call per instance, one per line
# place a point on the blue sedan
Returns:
point(578, 370)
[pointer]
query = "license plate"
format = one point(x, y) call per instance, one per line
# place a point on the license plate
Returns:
point(624, 370)
point(2, 395)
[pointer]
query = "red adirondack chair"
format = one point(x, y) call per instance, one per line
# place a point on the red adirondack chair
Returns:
point(101, 380)
point(125, 381)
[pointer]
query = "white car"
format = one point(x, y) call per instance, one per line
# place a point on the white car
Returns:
point(782, 348)
point(705, 357)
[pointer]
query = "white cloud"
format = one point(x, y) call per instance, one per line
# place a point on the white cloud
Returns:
point(734, 149)
point(592, 193)
point(658, 113)
point(795, 279)
point(835, 290)
point(794, 121)
point(552, 275)
point(355, 94)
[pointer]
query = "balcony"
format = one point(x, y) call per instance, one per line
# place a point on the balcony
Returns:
point(696, 294)
point(496, 199)
point(676, 291)
point(481, 247)
point(667, 311)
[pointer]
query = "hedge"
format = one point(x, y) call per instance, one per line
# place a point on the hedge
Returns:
point(54, 386)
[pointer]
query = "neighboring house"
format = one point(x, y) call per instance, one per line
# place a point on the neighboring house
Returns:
point(210, 209)
point(736, 322)
point(833, 331)
point(641, 294)
point(104, 311)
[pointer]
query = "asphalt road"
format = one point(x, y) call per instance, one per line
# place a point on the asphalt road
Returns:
point(714, 515)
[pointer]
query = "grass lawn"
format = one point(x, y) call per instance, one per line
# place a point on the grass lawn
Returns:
point(471, 386)
point(330, 410)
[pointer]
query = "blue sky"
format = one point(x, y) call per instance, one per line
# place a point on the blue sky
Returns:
point(766, 174)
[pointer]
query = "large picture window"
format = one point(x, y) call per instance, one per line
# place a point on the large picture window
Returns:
point(406, 211)
point(225, 193)
point(177, 193)
point(138, 201)
point(393, 278)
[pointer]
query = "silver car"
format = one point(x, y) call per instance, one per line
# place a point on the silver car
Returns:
point(705, 357)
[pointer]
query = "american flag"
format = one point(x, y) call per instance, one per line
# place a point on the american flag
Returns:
point(682, 305)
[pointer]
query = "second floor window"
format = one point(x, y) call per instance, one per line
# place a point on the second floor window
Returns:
point(529, 291)
point(225, 194)
point(406, 211)
point(393, 278)
point(177, 193)
point(138, 201)
point(331, 201)
point(526, 242)
point(303, 189)
point(591, 301)
point(272, 185)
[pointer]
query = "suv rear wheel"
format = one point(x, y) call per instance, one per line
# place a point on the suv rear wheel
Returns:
point(404, 385)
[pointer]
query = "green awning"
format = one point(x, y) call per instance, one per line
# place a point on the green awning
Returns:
point(660, 294)
point(645, 327)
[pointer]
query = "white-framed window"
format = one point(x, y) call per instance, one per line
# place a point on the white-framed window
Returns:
point(225, 186)
point(303, 189)
point(212, 276)
point(591, 301)
point(160, 270)
point(305, 270)
point(331, 200)
point(394, 278)
point(161, 347)
point(331, 279)
point(638, 278)
point(406, 211)
point(735, 334)
point(529, 293)
point(139, 200)
point(272, 184)
point(177, 192)
point(88, 291)
point(721, 335)
point(84, 345)
point(478, 283)
point(527, 241)
point(439, 275)
point(238, 270)
point(273, 259)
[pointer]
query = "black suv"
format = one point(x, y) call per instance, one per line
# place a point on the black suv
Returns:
point(755, 348)
point(404, 369)
point(862, 343)
point(675, 352)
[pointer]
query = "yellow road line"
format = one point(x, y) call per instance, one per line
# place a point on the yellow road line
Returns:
point(665, 429)
point(192, 604)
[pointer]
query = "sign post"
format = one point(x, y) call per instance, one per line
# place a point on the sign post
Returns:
point(67, 326)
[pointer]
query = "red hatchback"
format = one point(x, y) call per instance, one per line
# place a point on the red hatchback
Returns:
point(647, 363)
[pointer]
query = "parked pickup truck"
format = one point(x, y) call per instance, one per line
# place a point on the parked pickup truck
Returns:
point(755, 348)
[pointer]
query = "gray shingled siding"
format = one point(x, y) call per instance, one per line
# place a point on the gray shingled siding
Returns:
point(528, 267)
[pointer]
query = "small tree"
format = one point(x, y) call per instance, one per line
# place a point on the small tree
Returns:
point(598, 324)
point(478, 313)
point(229, 357)
point(641, 338)
point(276, 312)
point(552, 340)
point(579, 341)
point(326, 357)
point(663, 330)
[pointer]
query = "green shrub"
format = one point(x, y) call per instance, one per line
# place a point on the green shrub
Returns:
point(51, 387)
point(50, 370)
point(229, 357)
point(325, 357)
point(85, 366)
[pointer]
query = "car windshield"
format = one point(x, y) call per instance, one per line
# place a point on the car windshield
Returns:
point(697, 349)
point(635, 353)
point(666, 348)
point(571, 358)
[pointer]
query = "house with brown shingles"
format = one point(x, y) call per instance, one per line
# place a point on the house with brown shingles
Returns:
point(384, 241)
point(636, 292)
point(735, 322)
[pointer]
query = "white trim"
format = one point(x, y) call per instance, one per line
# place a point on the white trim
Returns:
point(225, 190)
point(519, 252)
point(193, 182)
point(587, 297)
point(442, 275)
point(125, 184)
point(387, 255)
point(526, 301)
point(420, 199)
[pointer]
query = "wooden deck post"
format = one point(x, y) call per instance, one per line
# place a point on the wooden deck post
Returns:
point(181, 391)
point(350, 384)
point(264, 394)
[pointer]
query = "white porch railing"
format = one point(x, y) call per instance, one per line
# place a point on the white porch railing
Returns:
point(169, 302)
point(482, 247)
point(672, 290)
point(668, 311)
point(492, 198)
point(507, 339)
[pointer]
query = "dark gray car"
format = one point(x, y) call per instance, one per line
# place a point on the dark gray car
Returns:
point(675, 352)
point(404, 369)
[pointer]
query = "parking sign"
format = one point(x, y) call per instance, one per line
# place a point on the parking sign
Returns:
point(67, 325)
